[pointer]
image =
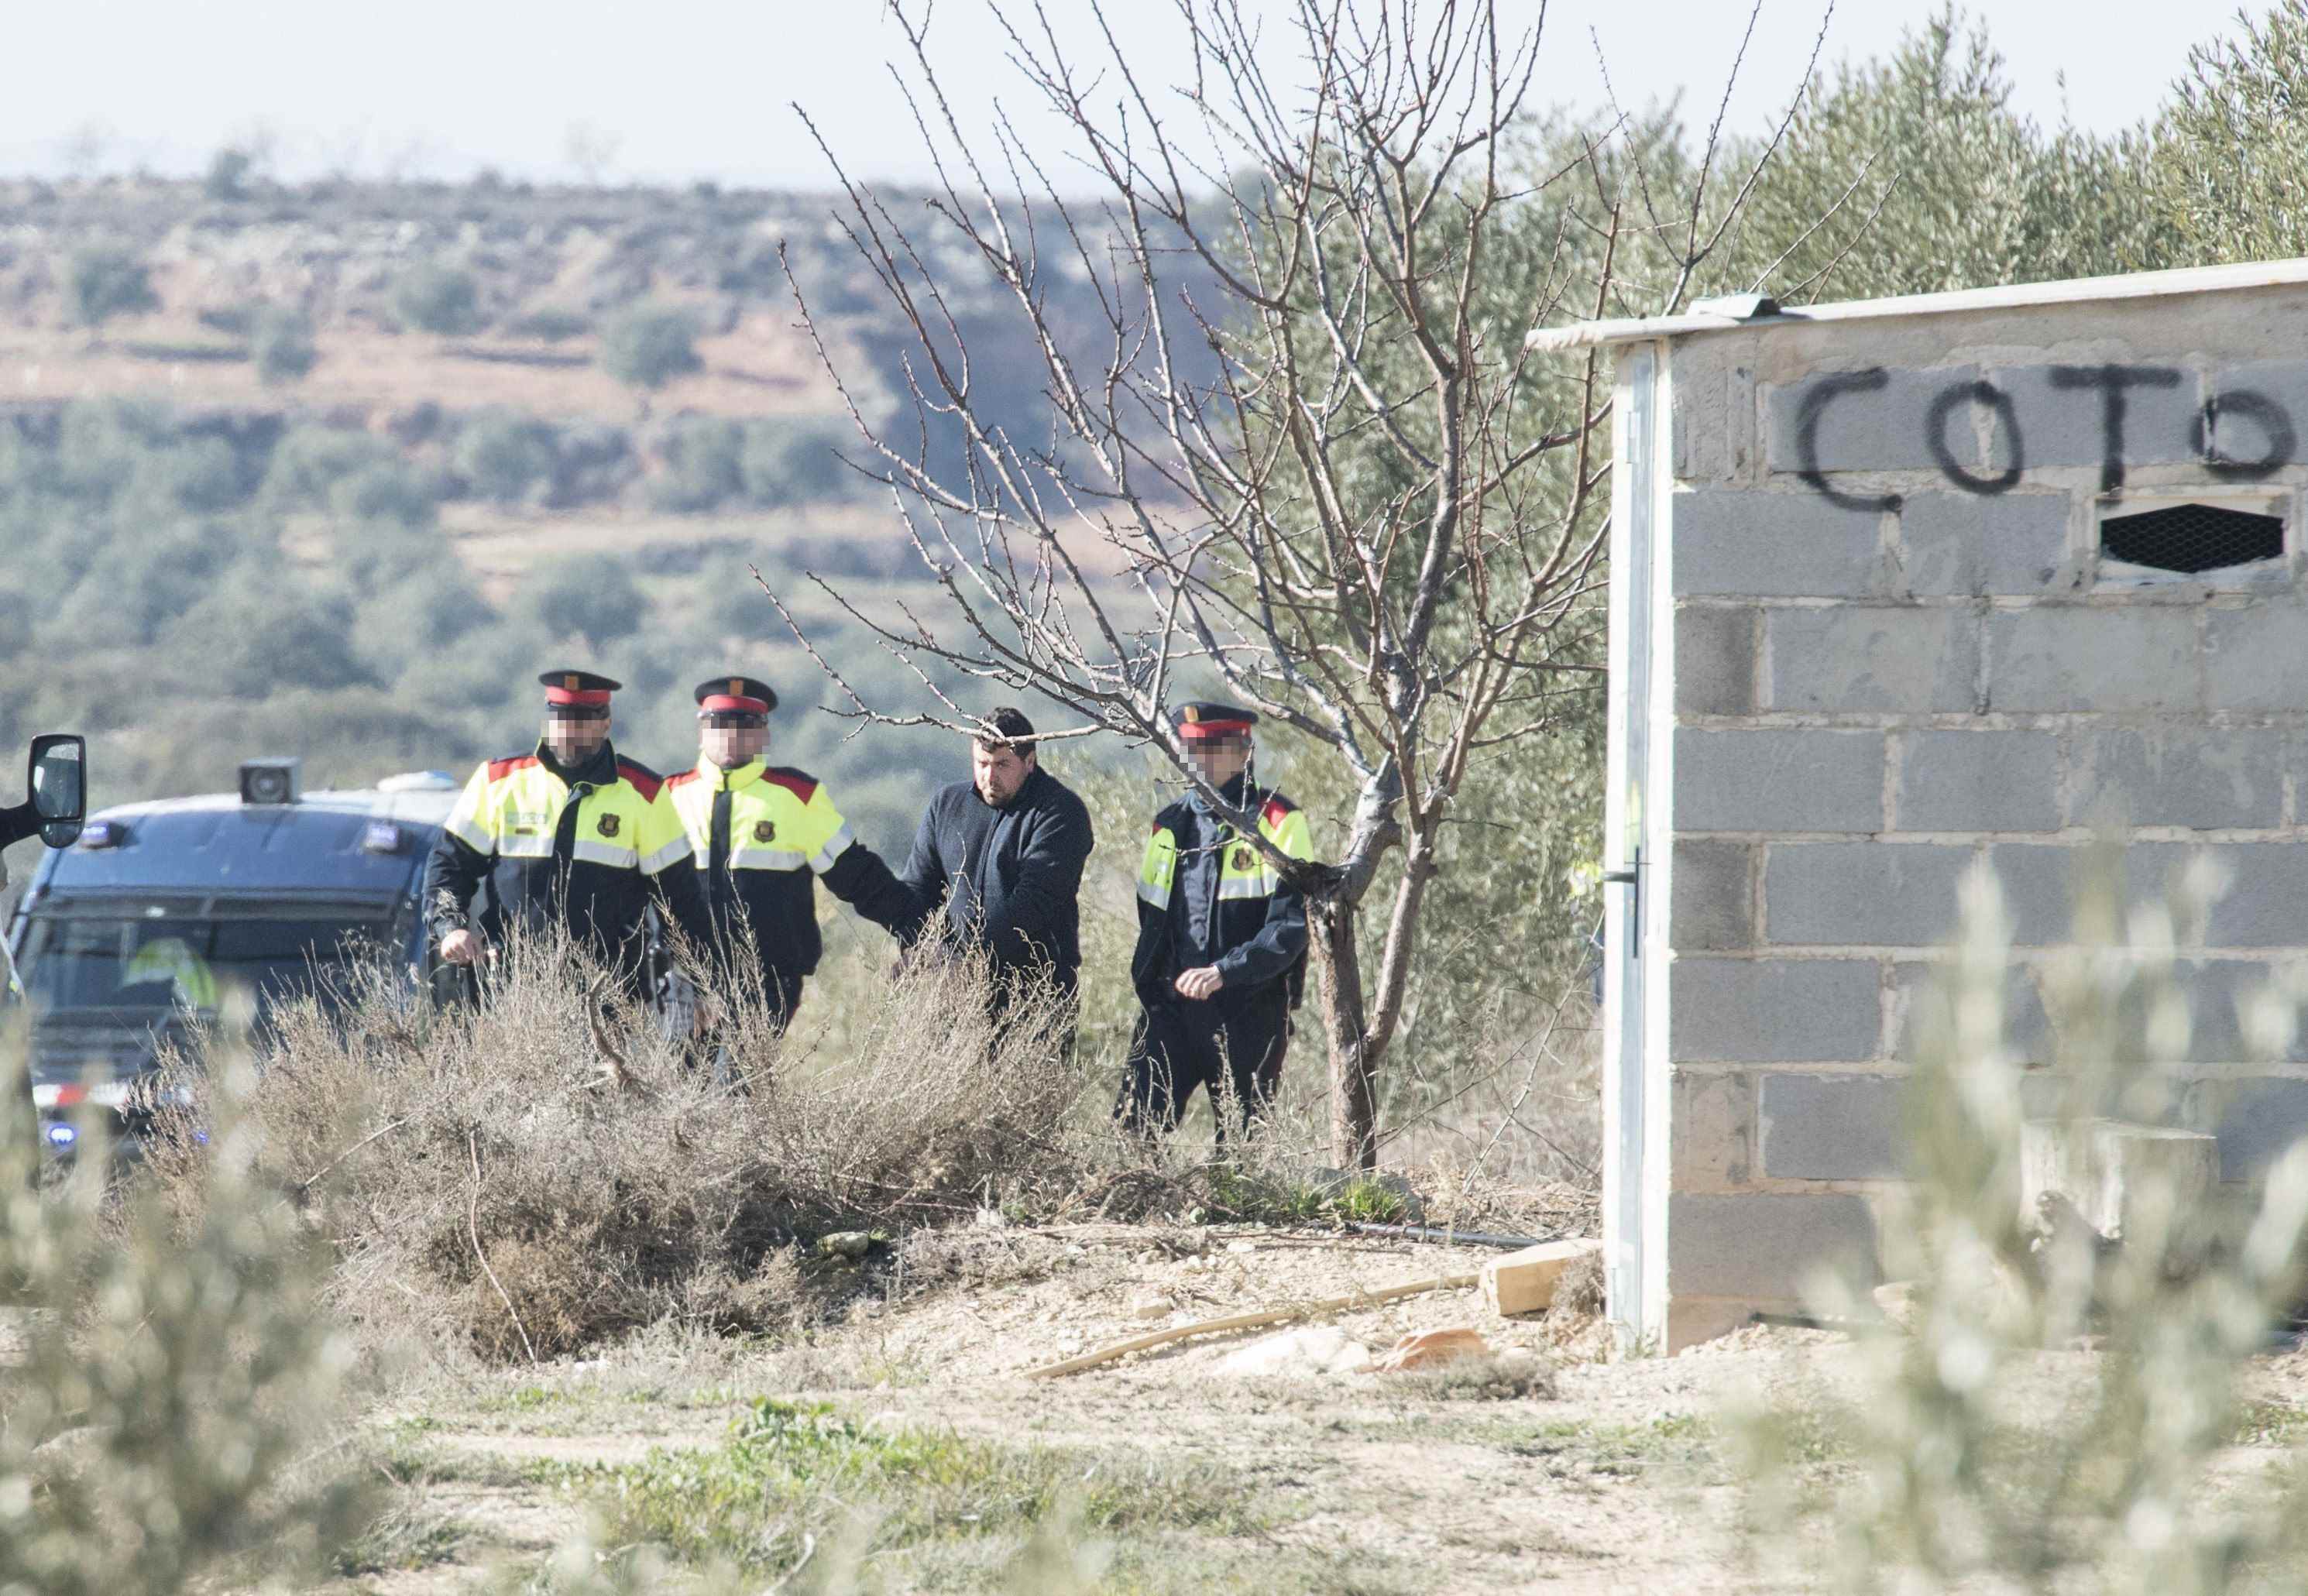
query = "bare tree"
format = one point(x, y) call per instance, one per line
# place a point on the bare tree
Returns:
point(1304, 448)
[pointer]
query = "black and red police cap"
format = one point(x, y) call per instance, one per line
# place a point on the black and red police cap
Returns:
point(579, 695)
point(748, 696)
point(1203, 722)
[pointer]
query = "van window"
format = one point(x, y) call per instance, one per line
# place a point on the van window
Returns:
point(123, 957)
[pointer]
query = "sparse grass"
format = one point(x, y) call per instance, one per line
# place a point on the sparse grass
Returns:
point(1493, 1376)
point(793, 1474)
point(2280, 1424)
point(1172, 1565)
point(1271, 1191)
point(408, 1536)
point(1568, 1449)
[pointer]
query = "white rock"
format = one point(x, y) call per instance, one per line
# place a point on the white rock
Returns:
point(1242, 1246)
point(1312, 1351)
point(1151, 1308)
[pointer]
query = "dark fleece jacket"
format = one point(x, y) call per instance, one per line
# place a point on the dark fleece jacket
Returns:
point(1009, 876)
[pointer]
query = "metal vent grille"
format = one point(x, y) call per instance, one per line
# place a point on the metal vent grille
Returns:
point(2192, 537)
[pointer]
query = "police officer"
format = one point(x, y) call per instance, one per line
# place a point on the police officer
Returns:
point(570, 834)
point(763, 834)
point(1221, 949)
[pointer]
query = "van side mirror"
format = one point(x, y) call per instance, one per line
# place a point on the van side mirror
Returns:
point(57, 775)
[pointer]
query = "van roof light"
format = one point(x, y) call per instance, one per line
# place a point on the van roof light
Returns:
point(271, 780)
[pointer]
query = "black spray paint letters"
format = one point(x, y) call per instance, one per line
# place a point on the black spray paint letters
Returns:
point(2114, 383)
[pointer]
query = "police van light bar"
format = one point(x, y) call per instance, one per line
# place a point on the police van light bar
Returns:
point(381, 836)
point(61, 1136)
point(418, 781)
point(103, 834)
point(271, 781)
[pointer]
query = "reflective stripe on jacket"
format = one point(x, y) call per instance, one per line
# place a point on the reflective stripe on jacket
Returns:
point(761, 850)
point(1208, 895)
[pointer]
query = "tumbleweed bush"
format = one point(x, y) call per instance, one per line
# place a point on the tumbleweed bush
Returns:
point(543, 1169)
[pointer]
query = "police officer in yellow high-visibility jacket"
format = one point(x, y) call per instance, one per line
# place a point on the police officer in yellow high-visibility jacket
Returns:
point(568, 834)
point(1221, 954)
point(763, 835)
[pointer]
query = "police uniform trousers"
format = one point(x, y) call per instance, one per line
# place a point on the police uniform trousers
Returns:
point(1182, 1044)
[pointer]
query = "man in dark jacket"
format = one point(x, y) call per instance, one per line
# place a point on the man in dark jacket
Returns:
point(569, 835)
point(1004, 852)
point(1221, 938)
point(765, 834)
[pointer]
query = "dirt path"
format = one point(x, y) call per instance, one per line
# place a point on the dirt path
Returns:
point(1361, 1481)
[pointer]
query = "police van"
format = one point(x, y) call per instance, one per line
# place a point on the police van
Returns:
point(163, 914)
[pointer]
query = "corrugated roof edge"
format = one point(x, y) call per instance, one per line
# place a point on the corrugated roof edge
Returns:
point(2138, 284)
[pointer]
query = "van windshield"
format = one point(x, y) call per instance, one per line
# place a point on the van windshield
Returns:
point(141, 957)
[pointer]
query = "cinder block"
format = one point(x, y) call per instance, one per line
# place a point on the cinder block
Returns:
point(1690, 1320)
point(1789, 545)
point(2063, 656)
point(2063, 418)
point(2218, 989)
point(1977, 781)
point(1920, 1015)
point(1881, 428)
point(1711, 1137)
point(1766, 1246)
point(1778, 780)
point(2266, 905)
point(1713, 895)
point(2180, 773)
point(1832, 1127)
point(1714, 423)
point(2257, 1121)
point(2240, 430)
point(1923, 1017)
point(1864, 894)
point(1894, 658)
point(2256, 657)
point(2114, 1170)
point(2041, 881)
point(1773, 1012)
point(1715, 661)
point(1972, 543)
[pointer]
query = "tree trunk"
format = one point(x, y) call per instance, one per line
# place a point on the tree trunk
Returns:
point(1354, 1073)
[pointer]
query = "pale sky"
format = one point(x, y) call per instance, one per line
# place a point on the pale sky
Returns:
point(677, 90)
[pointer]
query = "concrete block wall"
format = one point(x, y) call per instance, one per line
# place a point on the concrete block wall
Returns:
point(1896, 656)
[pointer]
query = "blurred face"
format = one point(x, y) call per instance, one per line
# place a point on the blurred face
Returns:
point(727, 743)
point(573, 740)
point(998, 772)
point(1220, 759)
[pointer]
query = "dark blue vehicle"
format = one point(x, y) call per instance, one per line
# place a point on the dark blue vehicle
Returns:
point(164, 915)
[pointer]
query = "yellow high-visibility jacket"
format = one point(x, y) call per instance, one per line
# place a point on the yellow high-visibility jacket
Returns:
point(763, 835)
point(585, 849)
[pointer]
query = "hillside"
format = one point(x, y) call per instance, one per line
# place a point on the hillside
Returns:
point(362, 551)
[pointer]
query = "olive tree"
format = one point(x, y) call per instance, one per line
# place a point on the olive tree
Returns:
point(1321, 459)
point(651, 345)
point(440, 299)
point(106, 282)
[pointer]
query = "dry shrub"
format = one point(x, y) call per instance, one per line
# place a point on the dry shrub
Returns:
point(167, 1381)
point(533, 1180)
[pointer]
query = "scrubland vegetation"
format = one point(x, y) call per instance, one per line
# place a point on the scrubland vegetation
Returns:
point(206, 1368)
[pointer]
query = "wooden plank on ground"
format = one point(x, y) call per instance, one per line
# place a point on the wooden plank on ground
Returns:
point(1522, 1283)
